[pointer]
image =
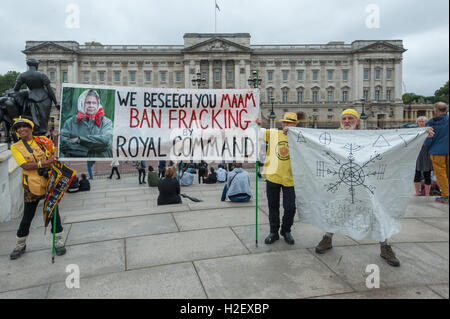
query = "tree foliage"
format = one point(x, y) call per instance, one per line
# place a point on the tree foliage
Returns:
point(8, 80)
point(440, 95)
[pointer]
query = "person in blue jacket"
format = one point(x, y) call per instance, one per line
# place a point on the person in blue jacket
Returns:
point(438, 148)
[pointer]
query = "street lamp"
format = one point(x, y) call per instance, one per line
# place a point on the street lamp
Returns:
point(272, 115)
point(254, 81)
point(199, 80)
point(363, 115)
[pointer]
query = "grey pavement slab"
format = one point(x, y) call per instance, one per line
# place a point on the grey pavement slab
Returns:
point(439, 248)
point(392, 293)
point(306, 236)
point(39, 292)
point(35, 268)
point(167, 282)
point(36, 240)
point(414, 230)
point(439, 223)
point(215, 203)
point(110, 213)
point(217, 218)
point(287, 274)
point(120, 228)
point(418, 267)
point(181, 247)
point(441, 289)
point(425, 207)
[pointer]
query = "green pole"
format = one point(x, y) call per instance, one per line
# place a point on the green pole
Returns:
point(257, 168)
point(55, 211)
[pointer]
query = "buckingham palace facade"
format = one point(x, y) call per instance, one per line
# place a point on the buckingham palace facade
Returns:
point(317, 81)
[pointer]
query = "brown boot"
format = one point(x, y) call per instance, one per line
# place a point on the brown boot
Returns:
point(388, 254)
point(20, 248)
point(324, 244)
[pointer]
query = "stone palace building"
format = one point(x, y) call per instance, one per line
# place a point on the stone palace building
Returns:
point(317, 81)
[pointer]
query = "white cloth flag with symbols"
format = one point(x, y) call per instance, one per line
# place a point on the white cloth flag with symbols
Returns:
point(356, 183)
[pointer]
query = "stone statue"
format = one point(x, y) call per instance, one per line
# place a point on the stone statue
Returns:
point(40, 96)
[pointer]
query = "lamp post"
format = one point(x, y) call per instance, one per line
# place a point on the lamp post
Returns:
point(363, 115)
point(254, 81)
point(199, 80)
point(272, 115)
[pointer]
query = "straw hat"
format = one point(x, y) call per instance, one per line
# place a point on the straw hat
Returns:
point(290, 117)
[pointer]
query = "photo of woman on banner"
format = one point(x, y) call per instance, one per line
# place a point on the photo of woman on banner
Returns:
point(88, 133)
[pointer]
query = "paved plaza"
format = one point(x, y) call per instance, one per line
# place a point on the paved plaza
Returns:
point(127, 247)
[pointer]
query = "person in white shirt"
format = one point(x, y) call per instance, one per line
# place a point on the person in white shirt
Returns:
point(187, 177)
point(221, 174)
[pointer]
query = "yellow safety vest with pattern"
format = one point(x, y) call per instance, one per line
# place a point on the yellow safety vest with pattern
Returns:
point(36, 184)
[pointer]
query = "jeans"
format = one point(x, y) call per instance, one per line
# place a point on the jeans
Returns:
point(28, 215)
point(234, 198)
point(142, 174)
point(89, 167)
point(273, 198)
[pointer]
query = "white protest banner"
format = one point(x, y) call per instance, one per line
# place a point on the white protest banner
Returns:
point(355, 183)
point(130, 123)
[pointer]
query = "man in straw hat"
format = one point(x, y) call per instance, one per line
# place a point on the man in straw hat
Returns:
point(350, 121)
point(278, 174)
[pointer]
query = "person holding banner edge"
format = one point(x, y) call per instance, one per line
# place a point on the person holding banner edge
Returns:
point(350, 121)
point(35, 159)
point(278, 174)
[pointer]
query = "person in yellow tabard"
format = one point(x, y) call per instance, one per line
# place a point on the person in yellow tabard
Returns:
point(278, 174)
point(34, 155)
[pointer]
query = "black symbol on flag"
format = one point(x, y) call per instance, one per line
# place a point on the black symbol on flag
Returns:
point(325, 138)
point(381, 142)
point(404, 138)
point(300, 138)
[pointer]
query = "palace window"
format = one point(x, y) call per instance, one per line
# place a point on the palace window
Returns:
point(315, 75)
point(366, 95)
point(377, 74)
point(315, 96)
point(366, 74)
point(132, 76)
point(285, 75)
point(269, 76)
point(163, 77)
point(344, 96)
point(388, 95)
point(86, 76)
point(330, 96)
point(101, 76)
point(330, 75)
point(148, 76)
point(300, 75)
point(389, 74)
point(285, 96)
point(345, 75)
point(117, 76)
point(299, 96)
point(178, 77)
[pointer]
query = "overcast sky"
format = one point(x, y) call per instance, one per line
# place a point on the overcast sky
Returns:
point(422, 25)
